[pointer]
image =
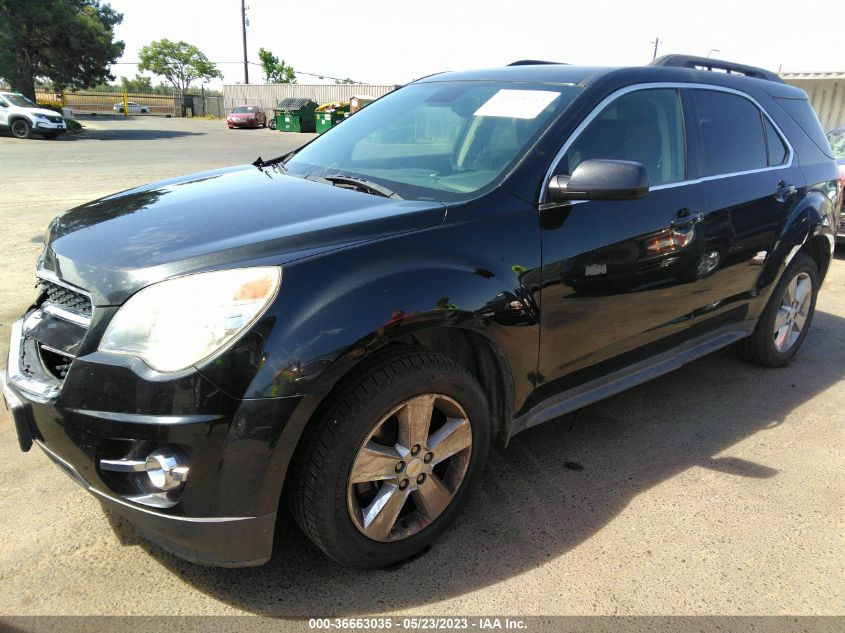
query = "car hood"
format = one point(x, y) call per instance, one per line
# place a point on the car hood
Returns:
point(242, 115)
point(43, 111)
point(237, 216)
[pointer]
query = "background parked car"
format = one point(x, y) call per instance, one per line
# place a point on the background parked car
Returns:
point(837, 143)
point(246, 116)
point(24, 118)
point(133, 108)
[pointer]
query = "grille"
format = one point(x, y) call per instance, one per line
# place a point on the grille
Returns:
point(55, 119)
point(65, 298)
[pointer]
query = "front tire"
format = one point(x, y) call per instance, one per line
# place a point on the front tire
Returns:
point(21, 128)
point(390, 462)
point(784, 323)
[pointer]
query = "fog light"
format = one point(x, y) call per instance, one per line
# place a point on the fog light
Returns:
point(164, 470)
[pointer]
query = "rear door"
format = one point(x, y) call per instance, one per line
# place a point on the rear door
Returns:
point(751, 183)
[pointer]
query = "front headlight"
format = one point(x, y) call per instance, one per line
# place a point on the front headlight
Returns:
point(180, 322)
point(40, 116)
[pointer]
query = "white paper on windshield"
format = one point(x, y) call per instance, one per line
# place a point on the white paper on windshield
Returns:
point(517, 104)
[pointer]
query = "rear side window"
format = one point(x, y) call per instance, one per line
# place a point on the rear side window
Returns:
point(731, 136)
point(644, 126)
point(802, 113)
point(778, 152)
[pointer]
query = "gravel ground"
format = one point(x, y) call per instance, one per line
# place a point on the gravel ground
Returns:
point(714, 490)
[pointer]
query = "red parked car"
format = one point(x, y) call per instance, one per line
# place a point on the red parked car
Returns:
point(246, 116)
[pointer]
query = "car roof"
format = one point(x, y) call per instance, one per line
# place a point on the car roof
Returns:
point(583, 76)
point(539, 73)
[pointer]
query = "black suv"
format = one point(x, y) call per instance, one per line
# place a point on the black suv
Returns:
point(351, 326)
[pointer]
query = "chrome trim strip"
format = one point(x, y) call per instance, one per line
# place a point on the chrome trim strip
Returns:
point(123, 465)
point(66, 315)
point(41, 391)
point(57, 351)
point(70, 469)
point(139, 418)
point(678, 86)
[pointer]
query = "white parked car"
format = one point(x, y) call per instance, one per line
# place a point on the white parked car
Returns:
point(133, 108)
point(25, 118)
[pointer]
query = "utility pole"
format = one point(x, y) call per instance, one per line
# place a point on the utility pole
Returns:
point(656, 42)
point(243, 27)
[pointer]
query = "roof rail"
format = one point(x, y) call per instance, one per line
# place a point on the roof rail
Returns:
point(707, 63)
point(535, 62)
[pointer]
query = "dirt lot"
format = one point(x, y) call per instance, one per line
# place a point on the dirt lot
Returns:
point(715, 490)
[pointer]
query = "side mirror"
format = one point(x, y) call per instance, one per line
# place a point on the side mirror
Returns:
point(3, 104)
point(601, 179)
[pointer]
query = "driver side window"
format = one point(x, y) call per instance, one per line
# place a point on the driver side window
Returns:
point(646, 126)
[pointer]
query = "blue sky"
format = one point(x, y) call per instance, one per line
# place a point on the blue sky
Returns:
point(382, 41)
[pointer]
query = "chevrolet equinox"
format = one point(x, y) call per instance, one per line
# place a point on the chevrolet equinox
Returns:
point(351, 326)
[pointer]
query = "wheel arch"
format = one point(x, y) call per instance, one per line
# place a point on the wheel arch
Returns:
point(19, 117)
point(820, 249)
point(480, 355)
point(808, 229)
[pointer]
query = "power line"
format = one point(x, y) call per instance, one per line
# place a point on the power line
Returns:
point(298, 72)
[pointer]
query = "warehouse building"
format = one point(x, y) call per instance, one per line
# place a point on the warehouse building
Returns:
point(826, 92)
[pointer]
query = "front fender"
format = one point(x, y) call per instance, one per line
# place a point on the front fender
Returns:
point(475, 272)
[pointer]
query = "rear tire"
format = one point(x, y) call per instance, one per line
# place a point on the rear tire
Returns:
point(784, 324)
point(21, 128)
point(361, 516)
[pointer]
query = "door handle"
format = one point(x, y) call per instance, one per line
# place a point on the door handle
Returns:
point(785, 191)
point(686, 219)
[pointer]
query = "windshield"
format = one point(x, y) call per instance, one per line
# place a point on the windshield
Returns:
point(243, 110)
point(443, 141)
point(19, 100)
point(837, 142)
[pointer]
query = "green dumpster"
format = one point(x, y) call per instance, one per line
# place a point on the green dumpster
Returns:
point(330, 114)
point(295, 115)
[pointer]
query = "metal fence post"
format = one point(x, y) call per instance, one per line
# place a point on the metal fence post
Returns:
point(125, 106)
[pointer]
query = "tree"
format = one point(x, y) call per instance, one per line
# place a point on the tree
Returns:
point(348, 80)
point(178, 62)
point(70, 42)
point(139, 84)
point(275, 70)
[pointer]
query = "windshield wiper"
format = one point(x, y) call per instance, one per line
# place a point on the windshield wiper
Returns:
point(367, 186)
point(279, 161)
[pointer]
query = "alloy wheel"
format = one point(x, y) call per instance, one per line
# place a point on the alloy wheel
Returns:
point(792, 314)
point(409, 468)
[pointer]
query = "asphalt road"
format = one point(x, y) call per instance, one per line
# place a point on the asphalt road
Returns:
point(715, 490)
